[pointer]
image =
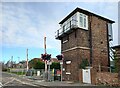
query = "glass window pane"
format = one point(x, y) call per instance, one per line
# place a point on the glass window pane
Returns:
point(85, 21)
point(81, 20)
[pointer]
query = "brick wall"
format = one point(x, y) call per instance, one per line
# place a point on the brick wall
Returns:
point(101, 78)
point(107, 78)
point(99, 43)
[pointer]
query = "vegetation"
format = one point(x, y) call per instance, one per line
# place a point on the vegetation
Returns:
point(37, 64)
point(115, 60)
point(55, 65)
point(84, 64)
point(19, 73)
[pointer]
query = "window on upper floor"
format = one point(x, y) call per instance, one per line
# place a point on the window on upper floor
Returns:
point(83, 21)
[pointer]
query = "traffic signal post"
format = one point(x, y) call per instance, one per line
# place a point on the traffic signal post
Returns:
point(46, 58)
point(60, 58)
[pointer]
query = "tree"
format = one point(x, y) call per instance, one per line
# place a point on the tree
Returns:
point(116, 62)
point(55, 65)
point(84, 64)
point(39, 65)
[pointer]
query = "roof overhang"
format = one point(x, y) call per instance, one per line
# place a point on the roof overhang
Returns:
point(85, 12)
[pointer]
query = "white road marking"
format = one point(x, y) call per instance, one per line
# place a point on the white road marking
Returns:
point(9, 81)
point(1, 85)
point(25, 82)
point(18, 81)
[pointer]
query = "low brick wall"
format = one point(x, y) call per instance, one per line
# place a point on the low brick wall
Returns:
point(107, 78)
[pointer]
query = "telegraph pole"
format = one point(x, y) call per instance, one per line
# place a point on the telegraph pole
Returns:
point(11, 61)
point(45, 53)
point(45, 44)
point(27, 59)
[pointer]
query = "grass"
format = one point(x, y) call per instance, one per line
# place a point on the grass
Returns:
point(19, 73)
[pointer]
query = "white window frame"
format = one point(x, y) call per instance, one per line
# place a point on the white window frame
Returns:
point(83, 23)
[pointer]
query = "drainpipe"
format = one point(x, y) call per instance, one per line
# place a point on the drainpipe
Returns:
point(90, 39)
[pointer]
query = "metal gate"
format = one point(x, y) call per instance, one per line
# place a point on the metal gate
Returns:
point(86, 75)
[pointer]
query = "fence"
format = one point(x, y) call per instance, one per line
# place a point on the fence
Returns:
point(53, 74)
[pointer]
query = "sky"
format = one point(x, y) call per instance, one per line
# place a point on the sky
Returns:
point(24, 25)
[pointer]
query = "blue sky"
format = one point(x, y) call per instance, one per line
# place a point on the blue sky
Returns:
point(24, 25)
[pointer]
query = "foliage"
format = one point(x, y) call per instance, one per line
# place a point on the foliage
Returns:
point(84, 64)
point(55, 65)
point(39, 65)
point(116, 68)
point(19, 73)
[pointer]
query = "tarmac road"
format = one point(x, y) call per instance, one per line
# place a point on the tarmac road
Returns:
point(12, 81)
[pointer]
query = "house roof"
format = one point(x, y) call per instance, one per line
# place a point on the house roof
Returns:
point(85, 12)
point(118, 46)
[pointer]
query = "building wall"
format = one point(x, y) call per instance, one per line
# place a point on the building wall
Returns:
point(78, 47)
point(99, 43)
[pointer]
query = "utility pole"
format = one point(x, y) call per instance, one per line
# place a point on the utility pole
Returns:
point(45, 44)
point(27, 59)
point(45, 60)
point(11, 61)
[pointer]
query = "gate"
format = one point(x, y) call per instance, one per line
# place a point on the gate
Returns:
point(86, 75)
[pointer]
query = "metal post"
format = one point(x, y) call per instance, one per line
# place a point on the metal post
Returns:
point(61, 63)
point(27, 59)
point(45, 44)
point(49, 71)
point(46, 70)
point(11, 61)
point(61, 71)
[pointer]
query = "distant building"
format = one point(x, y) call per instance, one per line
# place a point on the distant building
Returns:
point(84, 35)
point(23, 64)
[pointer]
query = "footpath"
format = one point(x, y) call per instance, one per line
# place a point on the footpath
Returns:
point(64, 84)
point(36, 80)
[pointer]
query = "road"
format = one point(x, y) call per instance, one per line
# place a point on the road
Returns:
point(13, 81)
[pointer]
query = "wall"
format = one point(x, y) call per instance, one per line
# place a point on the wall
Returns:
point(101, 78)
point(107, 78)
point(99, 43)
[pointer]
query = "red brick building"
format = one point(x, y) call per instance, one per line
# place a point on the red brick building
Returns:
point(84, 35)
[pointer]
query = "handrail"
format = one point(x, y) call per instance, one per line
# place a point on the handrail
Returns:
point(71, 24)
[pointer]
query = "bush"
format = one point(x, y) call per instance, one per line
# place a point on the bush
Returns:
point(55, 65)
point(39, 65)
point(84, 64)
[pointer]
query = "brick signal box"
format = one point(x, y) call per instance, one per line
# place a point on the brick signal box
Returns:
point(84, 35)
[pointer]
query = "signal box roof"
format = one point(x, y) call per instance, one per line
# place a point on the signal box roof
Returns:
point(85, 12)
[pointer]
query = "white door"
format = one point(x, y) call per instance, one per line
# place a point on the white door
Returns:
point(86, 76)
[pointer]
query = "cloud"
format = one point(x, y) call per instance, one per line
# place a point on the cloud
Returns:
point(23, 28)
point(25, 24)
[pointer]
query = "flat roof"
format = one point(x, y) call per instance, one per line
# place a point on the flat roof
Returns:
point(85, 12)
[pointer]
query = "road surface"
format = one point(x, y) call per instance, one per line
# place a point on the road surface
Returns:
point(13, 81)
